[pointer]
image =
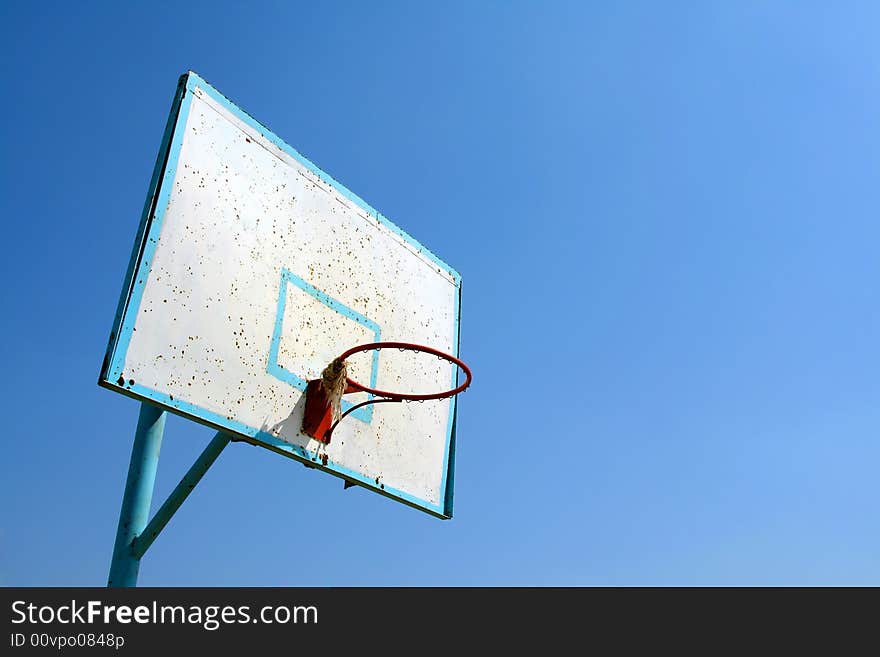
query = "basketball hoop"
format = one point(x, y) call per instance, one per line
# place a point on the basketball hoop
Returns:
point(318, 421)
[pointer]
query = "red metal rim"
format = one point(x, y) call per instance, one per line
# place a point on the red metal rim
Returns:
point(412, 347)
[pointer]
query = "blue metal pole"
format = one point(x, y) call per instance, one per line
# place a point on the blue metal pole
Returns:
point(138, 494)
point(179, 494)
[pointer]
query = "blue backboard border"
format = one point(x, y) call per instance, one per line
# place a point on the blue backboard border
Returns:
point(149, 229)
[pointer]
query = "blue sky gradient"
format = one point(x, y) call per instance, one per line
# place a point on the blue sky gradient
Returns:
point(665, 217)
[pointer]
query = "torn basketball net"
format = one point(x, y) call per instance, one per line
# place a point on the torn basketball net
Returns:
point(334, 378)
point(323, 410)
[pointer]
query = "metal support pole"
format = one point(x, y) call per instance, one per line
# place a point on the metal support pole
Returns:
point(145, 539)
point(138, 494)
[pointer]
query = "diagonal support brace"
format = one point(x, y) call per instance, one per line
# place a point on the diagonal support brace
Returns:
point(142, 542)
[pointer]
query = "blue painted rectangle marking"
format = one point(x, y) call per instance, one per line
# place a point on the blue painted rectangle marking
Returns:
point(365, 413)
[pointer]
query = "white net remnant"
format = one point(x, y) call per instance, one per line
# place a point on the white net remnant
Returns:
point(335, 379)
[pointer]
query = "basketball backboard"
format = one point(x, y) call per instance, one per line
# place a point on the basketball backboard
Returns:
point(252, 269)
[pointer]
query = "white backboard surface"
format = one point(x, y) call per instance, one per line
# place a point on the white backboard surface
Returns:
point(251, 271)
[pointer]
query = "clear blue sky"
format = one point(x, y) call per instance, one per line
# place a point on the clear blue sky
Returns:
point(666, 219)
